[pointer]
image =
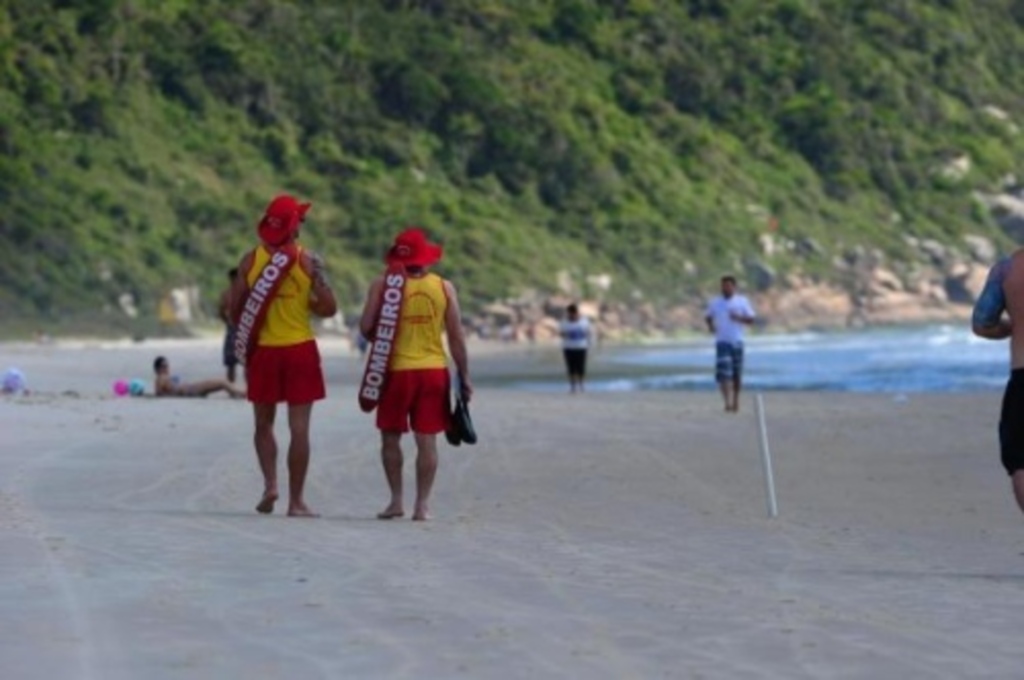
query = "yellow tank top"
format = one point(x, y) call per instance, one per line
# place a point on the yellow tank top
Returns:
point(421, 322)
point(287, 322)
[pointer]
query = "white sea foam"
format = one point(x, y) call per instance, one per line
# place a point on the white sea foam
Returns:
point(942, 358)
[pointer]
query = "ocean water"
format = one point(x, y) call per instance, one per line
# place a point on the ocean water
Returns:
point(944, 358)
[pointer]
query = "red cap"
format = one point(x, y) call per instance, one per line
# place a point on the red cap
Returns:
point(281, 220)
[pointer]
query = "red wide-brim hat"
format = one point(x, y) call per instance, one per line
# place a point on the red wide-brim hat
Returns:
point(412, 249)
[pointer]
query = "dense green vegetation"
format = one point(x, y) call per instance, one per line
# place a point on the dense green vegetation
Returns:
point(651, 139)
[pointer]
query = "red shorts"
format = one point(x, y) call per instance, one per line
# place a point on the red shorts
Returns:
point(418, 398)
point(290, 374)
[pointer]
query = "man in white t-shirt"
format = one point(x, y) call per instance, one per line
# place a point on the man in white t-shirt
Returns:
point(726, 316)
point(575, 332)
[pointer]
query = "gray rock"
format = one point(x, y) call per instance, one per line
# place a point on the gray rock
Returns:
point(980, 248)
point(762, 276)
point(807, 245)
point(1008, 212)
point(500, 313)
point(957, 290)
point(935, 251)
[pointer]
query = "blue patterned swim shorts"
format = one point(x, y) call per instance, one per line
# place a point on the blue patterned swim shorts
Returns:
point(728, 361)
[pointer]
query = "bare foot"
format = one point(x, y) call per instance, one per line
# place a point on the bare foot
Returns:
point(300, 510)
point(420, 515)
point(266, 504)
point(391, 512)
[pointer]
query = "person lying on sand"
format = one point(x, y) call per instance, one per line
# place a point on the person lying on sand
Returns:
point(166, 386)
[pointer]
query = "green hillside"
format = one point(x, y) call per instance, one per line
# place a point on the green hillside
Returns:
point(649, 139)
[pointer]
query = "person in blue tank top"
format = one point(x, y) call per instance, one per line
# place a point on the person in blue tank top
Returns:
point(999, 315)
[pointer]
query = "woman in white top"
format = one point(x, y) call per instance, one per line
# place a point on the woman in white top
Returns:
point(575, 331)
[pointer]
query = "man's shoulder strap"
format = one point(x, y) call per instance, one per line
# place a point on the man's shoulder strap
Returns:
point(261, 294)
point(382, 340)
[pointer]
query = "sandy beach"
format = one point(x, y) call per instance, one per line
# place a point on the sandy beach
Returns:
point(600, 536)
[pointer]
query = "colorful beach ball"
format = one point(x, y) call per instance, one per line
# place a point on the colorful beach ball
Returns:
point(120, 387)
point(13, 381)
point(137, 388)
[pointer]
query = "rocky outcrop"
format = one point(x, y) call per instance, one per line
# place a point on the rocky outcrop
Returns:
point(938, 283)
point(807, 305)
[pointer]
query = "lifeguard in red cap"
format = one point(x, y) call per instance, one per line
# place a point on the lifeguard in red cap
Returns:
point(279, 285)
point(407, 311)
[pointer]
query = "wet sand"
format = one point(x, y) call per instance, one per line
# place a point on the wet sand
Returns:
point(597, 536)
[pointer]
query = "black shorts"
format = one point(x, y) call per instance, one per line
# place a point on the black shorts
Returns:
point(575, 361)
point(1011, 423)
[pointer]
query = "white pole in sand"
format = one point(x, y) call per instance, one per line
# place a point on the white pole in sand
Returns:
point(766, 459)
